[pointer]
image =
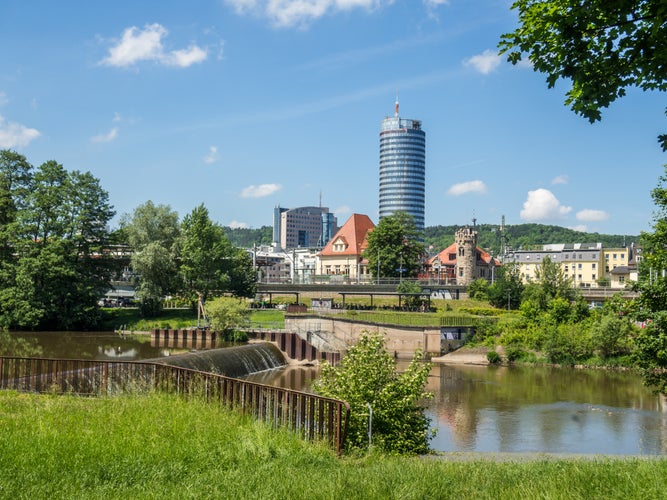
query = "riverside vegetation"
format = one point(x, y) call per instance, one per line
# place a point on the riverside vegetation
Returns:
point(160, 446)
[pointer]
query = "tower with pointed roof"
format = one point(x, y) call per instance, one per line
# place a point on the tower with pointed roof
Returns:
point(402, 167)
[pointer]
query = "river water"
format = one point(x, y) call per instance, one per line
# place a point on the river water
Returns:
point(474, 408)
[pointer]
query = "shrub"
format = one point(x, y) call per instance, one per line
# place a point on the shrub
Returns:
point(493, 357)
point(367, 375)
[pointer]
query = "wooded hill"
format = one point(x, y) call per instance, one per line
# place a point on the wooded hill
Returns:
point(520, 236)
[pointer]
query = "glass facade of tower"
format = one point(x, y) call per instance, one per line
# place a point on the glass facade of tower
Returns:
point(402, 168)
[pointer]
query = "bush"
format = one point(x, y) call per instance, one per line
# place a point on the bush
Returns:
point(493, 357)
point(367, 375)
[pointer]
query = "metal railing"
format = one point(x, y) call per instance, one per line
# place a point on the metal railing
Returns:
point(311, 416)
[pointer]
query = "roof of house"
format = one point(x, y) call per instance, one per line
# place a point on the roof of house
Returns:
point(352, 234)
point(448, 256)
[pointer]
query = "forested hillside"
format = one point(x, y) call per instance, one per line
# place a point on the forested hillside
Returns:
point(489, 236)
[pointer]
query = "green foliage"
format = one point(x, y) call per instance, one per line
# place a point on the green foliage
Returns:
point(227, 314)
point(396, 242)
point(602, 48)
point(208, 260)
point(478, 289)
point(367, 375)
point(411, 301)
point(522, 236)
point(611, 336)
point(493, 357)
point(54, 245)
point(244, 237)
point(506, 291)
point(651, 351)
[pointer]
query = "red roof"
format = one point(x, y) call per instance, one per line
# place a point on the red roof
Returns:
point(353, 234)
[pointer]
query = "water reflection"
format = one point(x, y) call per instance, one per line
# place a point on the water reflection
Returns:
point(475, 408)
point(545, 409)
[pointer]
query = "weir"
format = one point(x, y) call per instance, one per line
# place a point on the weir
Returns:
point(233, 362)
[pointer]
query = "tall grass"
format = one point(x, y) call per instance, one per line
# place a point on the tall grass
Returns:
point(160, 446)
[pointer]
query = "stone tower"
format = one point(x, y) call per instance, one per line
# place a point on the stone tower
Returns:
point(466, 258)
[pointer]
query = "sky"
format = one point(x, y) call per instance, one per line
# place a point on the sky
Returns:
point(245, 105)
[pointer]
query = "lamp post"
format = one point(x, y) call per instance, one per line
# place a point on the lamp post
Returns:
point(378, 277)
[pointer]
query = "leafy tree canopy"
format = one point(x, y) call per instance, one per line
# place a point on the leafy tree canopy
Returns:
point(602, 47)
point(395, 247)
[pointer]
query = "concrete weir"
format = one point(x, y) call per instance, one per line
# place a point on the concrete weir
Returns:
point(234, 362)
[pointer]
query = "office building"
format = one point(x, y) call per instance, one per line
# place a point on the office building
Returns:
point(402, 168)
point(302, 227)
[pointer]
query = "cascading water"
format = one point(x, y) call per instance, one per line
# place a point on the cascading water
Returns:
point(234, 362)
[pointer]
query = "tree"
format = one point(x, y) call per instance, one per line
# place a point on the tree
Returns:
point(479, 289)
point(395, 247)
point(152, 232)
point(507, 288)
point(368, 380)
point(58, 240)
point(411, 301)
point(209, 262)
point(227, 314)
point(603, 48)
point(553, 283)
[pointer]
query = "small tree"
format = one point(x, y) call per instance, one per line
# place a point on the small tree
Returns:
point(228, 314)
point(367, 379)
point(410, 301)
point(479, 289)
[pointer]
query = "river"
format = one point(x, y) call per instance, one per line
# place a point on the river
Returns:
point(474, 408)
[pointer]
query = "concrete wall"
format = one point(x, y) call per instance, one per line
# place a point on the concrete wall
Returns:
point(402, 341)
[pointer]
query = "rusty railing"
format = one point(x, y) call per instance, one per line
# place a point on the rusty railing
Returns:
point(311, 416)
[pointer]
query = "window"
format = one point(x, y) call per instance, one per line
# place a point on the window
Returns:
point(593, 277)
point(622, 256)
point(461, 271)
point(614, 256)
point(621, 279)
point(593, 265)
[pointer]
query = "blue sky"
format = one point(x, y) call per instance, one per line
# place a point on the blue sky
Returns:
point(247, 104)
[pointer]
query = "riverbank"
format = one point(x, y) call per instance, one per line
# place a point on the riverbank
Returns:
point(71, 447)
point(465, 356)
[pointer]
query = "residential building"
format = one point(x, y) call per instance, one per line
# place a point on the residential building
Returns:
point(402, 168)
point(583, 263)
point(342, 258)
point(302, 227)
point(462, 262)
point(276, 266)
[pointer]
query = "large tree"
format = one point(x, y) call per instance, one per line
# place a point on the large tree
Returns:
point(209, 264)
point(602, 47)
point(395, 247)
point(152, 232)
point(58, 239)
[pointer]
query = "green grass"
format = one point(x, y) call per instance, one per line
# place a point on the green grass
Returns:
point(161, 446)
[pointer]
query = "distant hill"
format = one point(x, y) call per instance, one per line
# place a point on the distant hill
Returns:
point(245, 238)
point(522, 236)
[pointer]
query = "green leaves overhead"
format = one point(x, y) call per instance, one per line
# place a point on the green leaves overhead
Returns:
point(602, 47)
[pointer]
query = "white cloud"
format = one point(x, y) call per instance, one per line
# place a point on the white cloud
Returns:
point(590, 215)
point(260, 190)
point(212, 155)
point(467, 187)
point(108, 137)
point(238, 225)
point(582, 228)
point(435, 3)
point(14, 135)
point(541, 204)
point(560, 179)
point(288, 13)
point(485, 62)
point(138, 45)
point(116, 117)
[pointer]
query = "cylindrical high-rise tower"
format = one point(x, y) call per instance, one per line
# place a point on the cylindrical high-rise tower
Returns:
point(402, 167)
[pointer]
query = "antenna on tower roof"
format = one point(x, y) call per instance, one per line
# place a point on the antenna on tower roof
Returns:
point(396, 106)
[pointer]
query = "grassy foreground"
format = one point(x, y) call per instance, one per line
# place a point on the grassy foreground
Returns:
point(160, 446)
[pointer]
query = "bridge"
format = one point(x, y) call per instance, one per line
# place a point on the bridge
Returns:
point(598, 294)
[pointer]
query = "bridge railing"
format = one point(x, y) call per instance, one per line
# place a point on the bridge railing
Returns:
point(311, 416)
